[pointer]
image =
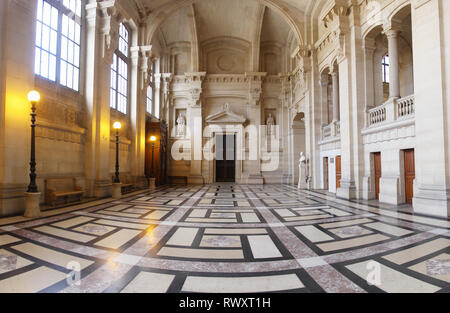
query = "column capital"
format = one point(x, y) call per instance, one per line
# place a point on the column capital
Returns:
point(392, 29)
point(195, 81)
point(334, 71)
point(255, 86)
point(111, 17)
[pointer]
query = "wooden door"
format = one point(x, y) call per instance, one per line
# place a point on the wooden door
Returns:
point(377, 171)
point(410, 174)
point(225, 158)
point(325, 168)
point(338, 172)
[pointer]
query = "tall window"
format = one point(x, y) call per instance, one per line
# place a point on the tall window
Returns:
point(58, 40)
point(119, 73)
point(385, 65)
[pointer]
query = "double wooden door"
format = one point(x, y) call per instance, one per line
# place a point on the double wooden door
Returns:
point(377, 170)
point(338, 172)
point(225, 158)
point(325, 169)
point(410, 174)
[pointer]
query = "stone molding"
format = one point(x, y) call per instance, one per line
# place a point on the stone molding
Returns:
point(60, 132)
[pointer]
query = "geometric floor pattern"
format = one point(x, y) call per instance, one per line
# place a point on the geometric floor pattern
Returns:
point(225, 238)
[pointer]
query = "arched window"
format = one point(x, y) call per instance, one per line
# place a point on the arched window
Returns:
point(58, 41)
point(385, 68)
point(119, 73)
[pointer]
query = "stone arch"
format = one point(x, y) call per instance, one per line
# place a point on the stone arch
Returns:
point(400, 12)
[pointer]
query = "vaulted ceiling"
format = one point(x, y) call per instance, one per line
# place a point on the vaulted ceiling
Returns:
point(233, 18)
point(153, 5)
point(249, 20)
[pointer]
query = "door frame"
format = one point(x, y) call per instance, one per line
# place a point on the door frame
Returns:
point(374, 171)
point(338, 185)
point(326, 174)
point(215, 154)
point(403, 174)
point(210, 137)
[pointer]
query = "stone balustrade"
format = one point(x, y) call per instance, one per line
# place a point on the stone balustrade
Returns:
point(391, 111)
point(405, 106)
point(332, 130)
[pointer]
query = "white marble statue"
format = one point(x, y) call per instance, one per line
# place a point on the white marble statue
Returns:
point(181, 125)
point(270, 123)
point(301, 171)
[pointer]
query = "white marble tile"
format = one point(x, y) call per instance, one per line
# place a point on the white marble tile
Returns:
point(201, 253)
point(242, 284)
point(118, 239)
point(50, 255)
point(31, 281)
point(183, 236)
point(250, 218)
point(73, 222)
point(313, 234)
point(262, 246)
point(388, 229)
point(146, 282)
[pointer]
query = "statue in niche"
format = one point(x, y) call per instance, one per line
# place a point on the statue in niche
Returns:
point(302, 171)
point(181, 125)
point(270, 123)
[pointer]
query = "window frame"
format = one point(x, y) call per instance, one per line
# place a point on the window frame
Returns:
point(385, 65)
point(126, 60)
point(71, 15)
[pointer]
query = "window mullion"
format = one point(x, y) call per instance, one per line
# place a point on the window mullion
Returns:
point(117, 86)
point(58, 48)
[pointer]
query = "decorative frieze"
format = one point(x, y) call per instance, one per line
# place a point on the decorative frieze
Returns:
point(60, 132)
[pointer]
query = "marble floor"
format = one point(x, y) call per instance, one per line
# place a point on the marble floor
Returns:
point(225, 238)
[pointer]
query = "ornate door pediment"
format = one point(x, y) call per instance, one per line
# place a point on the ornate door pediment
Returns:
point(226, 116)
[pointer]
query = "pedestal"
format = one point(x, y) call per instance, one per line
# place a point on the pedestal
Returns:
point(152, 184)
point(255, 179)
point(32, 209)
point(302, 178)
point(117, 191)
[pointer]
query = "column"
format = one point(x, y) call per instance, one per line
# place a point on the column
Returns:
point(323, 85)
point(17, 39)
point(140, 79)
point(335, 82)
point(195, 125)
point(254, 114)
point(431, 67)
point(101, 36)
point(394, 81)
point(369, 49)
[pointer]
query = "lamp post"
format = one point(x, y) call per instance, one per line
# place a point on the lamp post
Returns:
point(152, 171)
point(32, 209)
point(117, 186)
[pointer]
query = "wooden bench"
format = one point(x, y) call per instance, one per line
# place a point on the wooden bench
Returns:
point(178, 180)
point(62, 188)
point(125, 180)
